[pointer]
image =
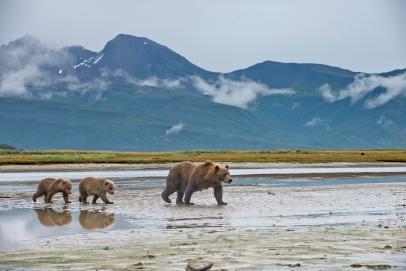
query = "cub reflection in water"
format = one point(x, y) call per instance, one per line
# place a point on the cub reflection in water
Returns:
point(51, 218)
point(94, 220)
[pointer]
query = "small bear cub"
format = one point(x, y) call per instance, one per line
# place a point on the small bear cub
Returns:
point(97, 187)
point(49, 187)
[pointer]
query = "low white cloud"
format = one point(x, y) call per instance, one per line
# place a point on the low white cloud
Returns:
point(175, 129)
point(26, 77)
point(13, 83)
point(152, 81)
point(156, 82)
point(236, 93)
point(72, 83)
point(363, 85)
point(317, 122)
point(295, 105)
point(385, 122)
point(30, 82)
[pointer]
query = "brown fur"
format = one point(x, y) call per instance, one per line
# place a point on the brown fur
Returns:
point(186, 178)
point(93, 220)
point(97, 187)
point(50, 218)
point(49, 187)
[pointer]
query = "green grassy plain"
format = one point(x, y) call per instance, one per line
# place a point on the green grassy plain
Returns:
point(10, 157)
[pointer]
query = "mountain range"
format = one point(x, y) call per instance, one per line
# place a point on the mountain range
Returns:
point(138, 95)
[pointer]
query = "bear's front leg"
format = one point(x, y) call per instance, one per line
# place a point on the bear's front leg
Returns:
point(218, 194)
point(188, 194)
point(66, 197)
point(83, 198)
point(105, 199)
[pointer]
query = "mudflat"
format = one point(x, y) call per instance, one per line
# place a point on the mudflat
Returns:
point(359, 225)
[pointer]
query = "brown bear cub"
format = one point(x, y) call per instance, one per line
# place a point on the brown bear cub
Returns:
point(49, 187)
point(97, 187)
point(186, 178)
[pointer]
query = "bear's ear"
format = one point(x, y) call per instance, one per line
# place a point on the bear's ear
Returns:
point(227, 166)
point(106, 183)
point(216, 168)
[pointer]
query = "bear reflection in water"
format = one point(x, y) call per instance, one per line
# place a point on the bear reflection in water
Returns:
point(95, 220)
point(51, 218)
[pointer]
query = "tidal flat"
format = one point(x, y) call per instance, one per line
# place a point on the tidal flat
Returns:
point(355, 223)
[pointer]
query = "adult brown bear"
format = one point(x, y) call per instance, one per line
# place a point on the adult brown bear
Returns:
point(185, 178)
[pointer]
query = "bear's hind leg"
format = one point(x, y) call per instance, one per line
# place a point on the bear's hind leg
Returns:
point(166, 193)
point(179, 198)
point(83, 198)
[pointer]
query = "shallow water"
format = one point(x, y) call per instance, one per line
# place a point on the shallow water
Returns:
point(35, 176)
point(144, 183)
point(255, 203)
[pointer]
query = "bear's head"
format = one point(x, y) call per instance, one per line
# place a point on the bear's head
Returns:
point(222, 173)
point(108, 186)
point(65, 185)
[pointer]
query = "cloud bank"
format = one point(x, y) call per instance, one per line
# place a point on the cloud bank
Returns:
point(175, 129)
point(236, 93)
point(363, 85)
point(30, 70)
point(317, 122)
point(149, 82)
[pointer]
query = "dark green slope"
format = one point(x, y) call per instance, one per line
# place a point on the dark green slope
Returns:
point(128, 119)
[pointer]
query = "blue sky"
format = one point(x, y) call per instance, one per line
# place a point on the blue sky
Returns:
point(362, 35)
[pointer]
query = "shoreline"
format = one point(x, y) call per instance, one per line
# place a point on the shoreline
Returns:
point(165, 166)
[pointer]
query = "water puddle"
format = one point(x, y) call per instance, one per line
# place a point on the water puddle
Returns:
point(23, 226)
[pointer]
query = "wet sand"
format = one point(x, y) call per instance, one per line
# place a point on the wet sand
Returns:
point(358, 226)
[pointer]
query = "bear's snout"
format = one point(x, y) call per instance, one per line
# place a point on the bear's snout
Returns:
point(228, 181)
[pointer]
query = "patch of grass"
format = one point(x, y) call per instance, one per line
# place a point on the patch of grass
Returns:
point(289, 156)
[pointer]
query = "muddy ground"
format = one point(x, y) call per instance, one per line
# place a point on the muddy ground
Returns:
point(331, 227)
